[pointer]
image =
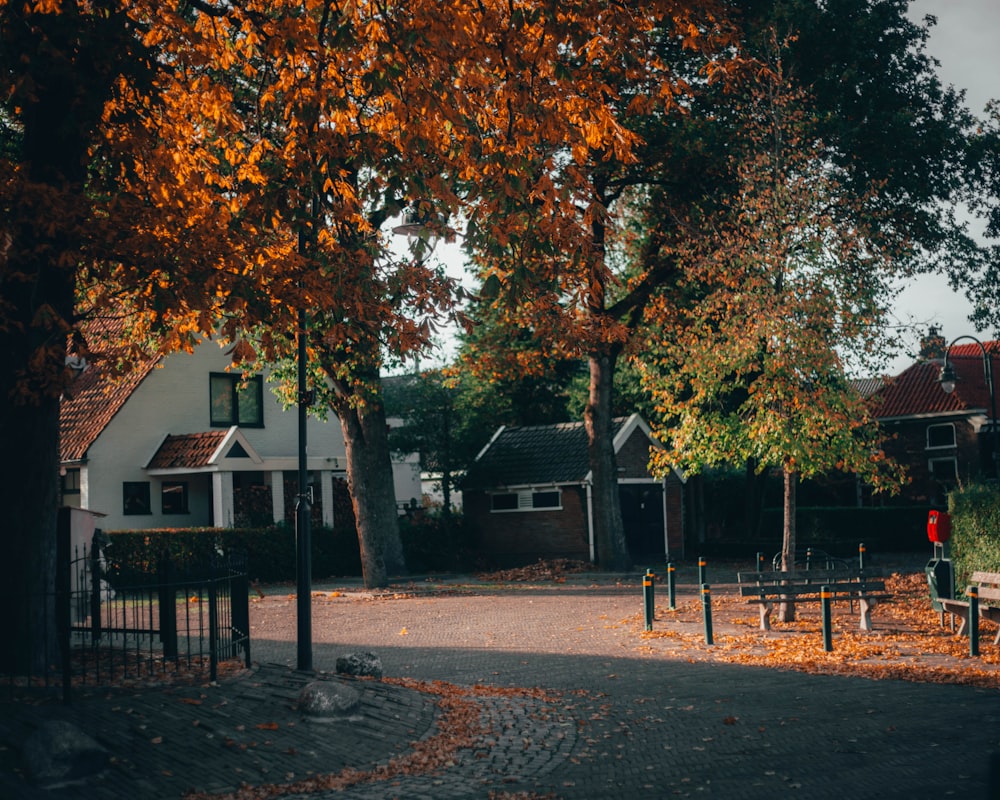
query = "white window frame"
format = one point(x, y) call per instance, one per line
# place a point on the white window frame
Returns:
point(954, 436)
point(526, 500)
point(954, 462)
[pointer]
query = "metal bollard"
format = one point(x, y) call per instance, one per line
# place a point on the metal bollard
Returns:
point(973, 593)
point(702, 569)
point(671, 586)
point(706, 607)
point(825, 596)
point(861, 555)
point(648, 604)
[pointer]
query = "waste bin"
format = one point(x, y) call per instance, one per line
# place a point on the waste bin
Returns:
point(940, 580)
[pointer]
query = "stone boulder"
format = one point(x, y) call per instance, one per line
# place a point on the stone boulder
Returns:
point(59, 753)
point(328, 701)
point(366, 665)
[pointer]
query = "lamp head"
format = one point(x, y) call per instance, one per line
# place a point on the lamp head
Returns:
point(947, 378)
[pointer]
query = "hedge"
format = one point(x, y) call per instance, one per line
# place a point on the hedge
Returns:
point(270, 551)
point(430, 543)
point(975, 532)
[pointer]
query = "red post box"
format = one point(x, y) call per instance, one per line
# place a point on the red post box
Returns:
point(938, 527)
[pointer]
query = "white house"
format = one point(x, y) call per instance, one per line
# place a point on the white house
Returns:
point(182, 442)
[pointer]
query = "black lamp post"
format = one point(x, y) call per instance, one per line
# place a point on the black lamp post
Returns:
point(947, 379)
point(303, 518)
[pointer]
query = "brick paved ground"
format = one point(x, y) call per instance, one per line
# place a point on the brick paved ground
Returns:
point(618, 720)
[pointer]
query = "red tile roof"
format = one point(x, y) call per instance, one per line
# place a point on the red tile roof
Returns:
point(90, 403)
point(916, 390)
point(188, 450)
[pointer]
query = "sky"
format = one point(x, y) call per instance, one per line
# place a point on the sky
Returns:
point(966, 42)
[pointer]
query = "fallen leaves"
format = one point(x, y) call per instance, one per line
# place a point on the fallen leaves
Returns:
point(908, 642)
point(542, 570)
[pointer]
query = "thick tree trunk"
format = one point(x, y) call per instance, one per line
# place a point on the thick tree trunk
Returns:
point(786, 610)
point(373, 495)
point(28, 498)
point(609, 530)
point(45, 223)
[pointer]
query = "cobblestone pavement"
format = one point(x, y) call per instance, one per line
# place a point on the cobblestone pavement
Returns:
point(613, 719)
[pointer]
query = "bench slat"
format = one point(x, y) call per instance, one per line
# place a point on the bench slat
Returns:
point(810, 576)
point(845, 591)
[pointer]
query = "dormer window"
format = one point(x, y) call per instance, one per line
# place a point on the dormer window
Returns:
point(940, 436)
point(236, 400)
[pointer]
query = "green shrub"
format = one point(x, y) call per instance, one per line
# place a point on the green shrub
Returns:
point(975, 531)
point(270, 551)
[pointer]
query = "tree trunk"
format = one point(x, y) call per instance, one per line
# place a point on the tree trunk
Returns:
point(45, 222)
point(786, 610)
point(29, 497)
point(609, 530)
point(373, 495)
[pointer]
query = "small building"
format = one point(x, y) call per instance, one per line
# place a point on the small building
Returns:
point(941, 438)
point(528, 495)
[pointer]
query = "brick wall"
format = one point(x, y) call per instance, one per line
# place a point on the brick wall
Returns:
point(515, 538)
point(906, 443)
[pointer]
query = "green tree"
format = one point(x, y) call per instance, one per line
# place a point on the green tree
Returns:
point(787, 281)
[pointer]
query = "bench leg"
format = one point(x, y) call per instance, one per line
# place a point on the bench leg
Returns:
point(993, 615)
point(765, 615)
point(865, 607)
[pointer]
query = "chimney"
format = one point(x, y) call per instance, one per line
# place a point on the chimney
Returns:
point(932, 345)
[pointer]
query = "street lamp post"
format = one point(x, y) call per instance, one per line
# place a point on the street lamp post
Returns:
point(303, 506)
point(303, 518)
point(947, 378)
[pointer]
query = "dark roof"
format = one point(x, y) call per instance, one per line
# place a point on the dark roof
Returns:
point(535, 455)
point(187, 451)
point(916, 390)
point(866, 387)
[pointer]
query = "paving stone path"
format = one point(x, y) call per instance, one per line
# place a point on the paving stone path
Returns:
point(610, 719)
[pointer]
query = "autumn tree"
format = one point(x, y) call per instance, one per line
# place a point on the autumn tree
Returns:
point(542, 242)
point(106, 184)
point(784, 282)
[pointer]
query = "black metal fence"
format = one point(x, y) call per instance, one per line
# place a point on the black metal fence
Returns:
point(109, 626)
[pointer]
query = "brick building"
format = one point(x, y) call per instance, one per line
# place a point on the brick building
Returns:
point(941, 438)
point(528, 494)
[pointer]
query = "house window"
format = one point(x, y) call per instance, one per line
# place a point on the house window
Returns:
point(174, 497)
point(944, 470)
point(939, 436)
point(237, 400)
point(526, 500)
point(545, 499)
point(135, 498)
point(70, 482)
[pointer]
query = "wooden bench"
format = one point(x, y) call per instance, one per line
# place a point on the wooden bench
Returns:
point(864, 586)
point(988, 584)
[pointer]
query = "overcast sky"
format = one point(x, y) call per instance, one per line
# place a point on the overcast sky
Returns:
point(966, 40)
